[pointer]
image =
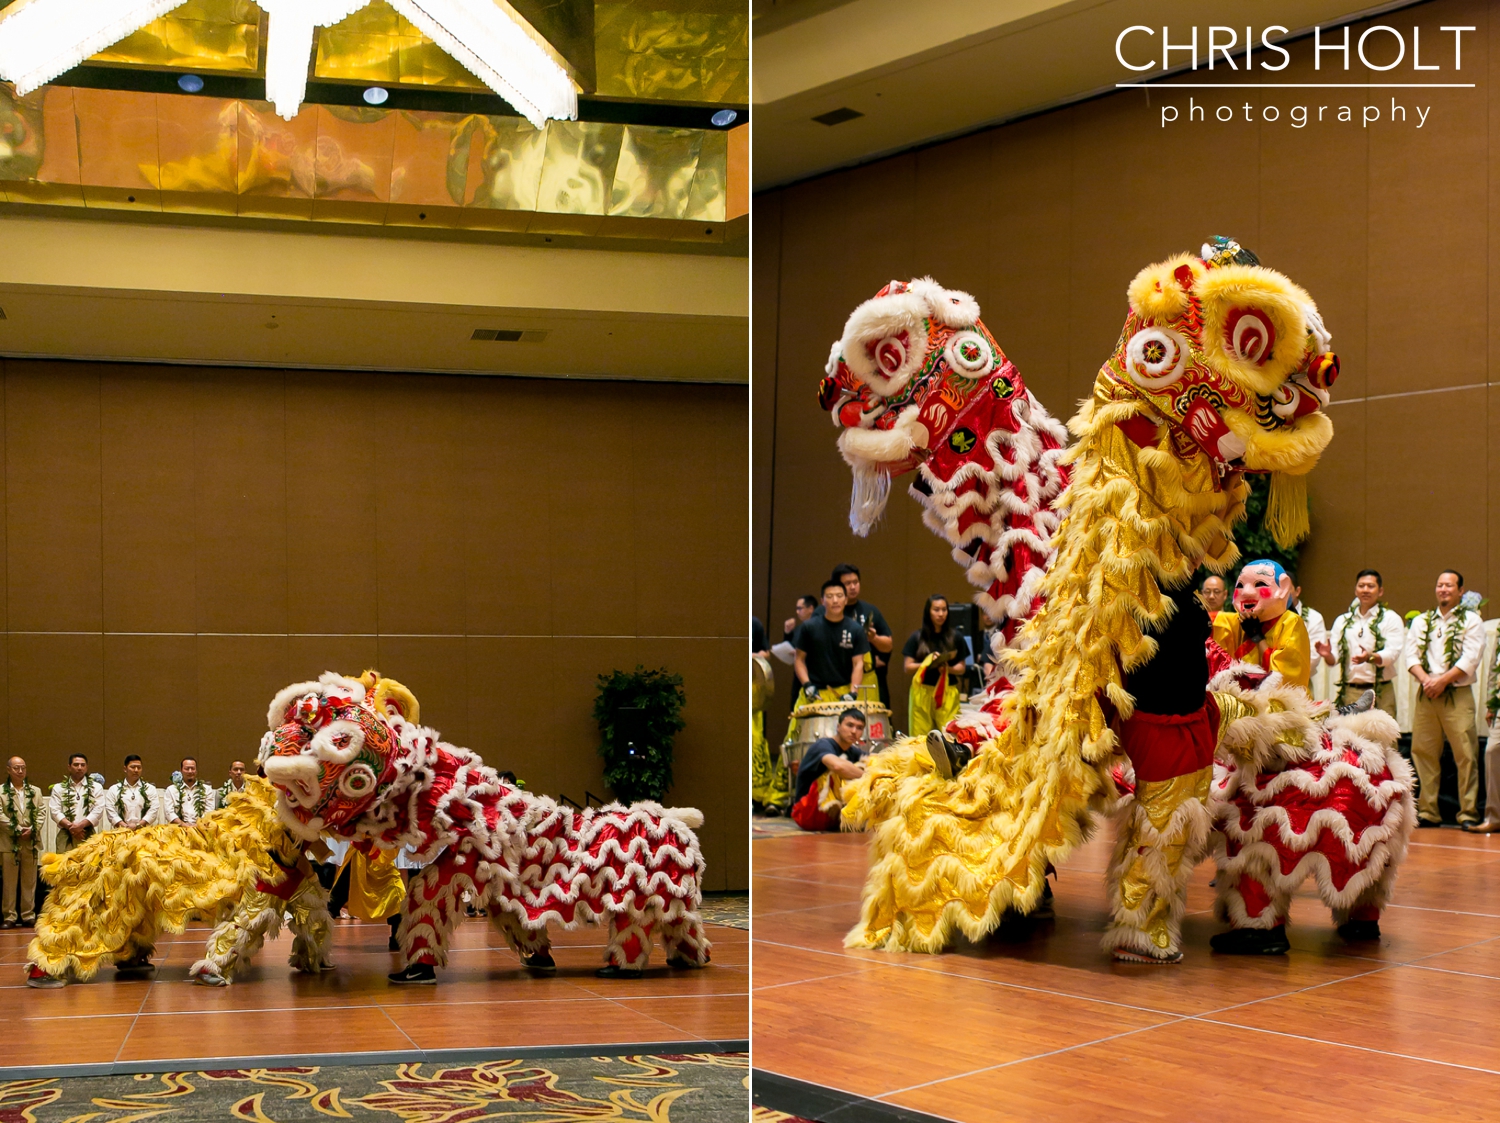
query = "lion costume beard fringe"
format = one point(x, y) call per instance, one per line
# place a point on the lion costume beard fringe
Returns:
point(112, 896)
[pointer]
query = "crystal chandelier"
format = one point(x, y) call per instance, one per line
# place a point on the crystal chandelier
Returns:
point(40, 39)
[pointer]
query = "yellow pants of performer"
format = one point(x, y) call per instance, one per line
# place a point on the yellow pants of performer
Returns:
point(1433, 719)
point(768, 772)
point(924, 714)
point(18, 871)
point(1385, 697)
point(376, 887)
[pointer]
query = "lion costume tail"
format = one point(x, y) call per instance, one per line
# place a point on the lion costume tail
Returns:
point(113, 895)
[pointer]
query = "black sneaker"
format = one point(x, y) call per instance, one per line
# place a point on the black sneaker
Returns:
point(949, 757)
point(683, 963)
point(1428, 823)
point(138, 964)
point(610, 971)
point(1359, 931)
point(1365, 701)
point(1252, 941)
point(541, 963)
point(417, 974)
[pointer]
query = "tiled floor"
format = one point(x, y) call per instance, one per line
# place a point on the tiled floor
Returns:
point(483, 1000)
point(1038, 1024)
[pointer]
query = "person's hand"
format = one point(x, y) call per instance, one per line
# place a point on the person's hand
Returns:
point(134, 823)
point(809, 690)
point(847, 696)
point(1361, 657)
point(789, 627)
point(1434, 686)
point(25, 832)
point(1325, 649)
point(77, 829)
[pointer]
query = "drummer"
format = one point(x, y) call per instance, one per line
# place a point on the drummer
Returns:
point(829, 761)
point(830, 661)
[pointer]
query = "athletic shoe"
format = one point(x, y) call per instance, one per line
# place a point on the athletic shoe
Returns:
point(209, 978)
point(36, 977)
point(683, 963)
point(610, 971)
point(1427, 824)
point(541, 963)
point(1365, 701)
point(1359, 931)
point(1130, 955)
point(138, 964)
point(1252, 941)
point(420, 974)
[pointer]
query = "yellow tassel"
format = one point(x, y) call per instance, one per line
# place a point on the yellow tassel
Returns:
point(1286, 509)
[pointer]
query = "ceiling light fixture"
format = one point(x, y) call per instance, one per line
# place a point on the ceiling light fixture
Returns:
point(724, 118)
point(40, 39)
point(377, 95)
point(837, 116)
point(190, 84)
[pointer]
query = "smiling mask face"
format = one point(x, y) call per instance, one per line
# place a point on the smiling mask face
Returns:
point(1263, 591)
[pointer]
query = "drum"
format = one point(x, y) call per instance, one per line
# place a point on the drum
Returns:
point(816, 720)
point(762, 682)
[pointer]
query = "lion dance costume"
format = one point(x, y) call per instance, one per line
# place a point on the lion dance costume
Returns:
point(351, 761)
point(113, 895)
point(1084, 556)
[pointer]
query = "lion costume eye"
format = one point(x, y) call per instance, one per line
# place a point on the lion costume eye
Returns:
point(358, 780)
point(969, 353)
point(1155, 358)
point(1249, 335)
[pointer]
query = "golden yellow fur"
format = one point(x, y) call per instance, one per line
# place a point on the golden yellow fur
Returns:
point(114, 894)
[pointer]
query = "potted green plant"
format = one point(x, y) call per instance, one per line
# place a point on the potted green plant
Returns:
point(639, 714)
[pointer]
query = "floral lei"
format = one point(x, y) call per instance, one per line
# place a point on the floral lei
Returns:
point(200, 796)
point(10, 814)
point(140, 789)
point(1452, 646)
point(70, 796)
point(1380, 611)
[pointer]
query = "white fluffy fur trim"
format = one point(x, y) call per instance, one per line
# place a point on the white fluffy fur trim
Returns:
point(884, 446)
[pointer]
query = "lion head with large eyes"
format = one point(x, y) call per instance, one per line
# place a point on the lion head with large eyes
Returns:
point(1232, 355)
point(330, 749)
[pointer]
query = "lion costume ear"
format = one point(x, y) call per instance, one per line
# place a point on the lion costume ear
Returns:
point(390, 697)
point(1159, 292)
point(1256, 324)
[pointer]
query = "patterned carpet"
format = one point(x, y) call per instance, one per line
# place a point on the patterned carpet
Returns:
point(730, 909)
point(696, 1088)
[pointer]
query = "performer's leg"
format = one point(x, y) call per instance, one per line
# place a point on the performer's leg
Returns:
point(629, 947)
point(1458, 726)
point(432, 911)
point(1492, 779)
point(685, 942)
point(237, 936)
point(28, 886)
point(919, 709)
point(1162, 838)
point(9, 877)
point(311, 926)
point(1426, 754)
point(1257, 913)
point(1362, 920)
point(533, 945)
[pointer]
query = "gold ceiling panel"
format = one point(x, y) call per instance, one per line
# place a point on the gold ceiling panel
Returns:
point(660, 50)
point(207, 35)
point(377, 45)
point(140, 151)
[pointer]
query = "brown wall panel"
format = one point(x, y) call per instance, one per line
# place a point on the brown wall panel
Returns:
point(52, 500)
point(240, 496)
point(1047, 220)
point(332, 504)
point(147, 439)
point(765, 298)
point(495, 544)
point(151, 704)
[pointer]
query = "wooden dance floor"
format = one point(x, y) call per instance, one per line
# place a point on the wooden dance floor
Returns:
point(484, 1004)
point(1043, 1026)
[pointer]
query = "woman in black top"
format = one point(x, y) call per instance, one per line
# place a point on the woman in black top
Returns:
point(934, 657)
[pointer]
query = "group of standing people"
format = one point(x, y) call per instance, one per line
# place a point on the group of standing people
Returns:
point(1442, 649)
point(79, 806)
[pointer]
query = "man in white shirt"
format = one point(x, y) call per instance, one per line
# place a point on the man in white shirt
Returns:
point(235, 783)
point(21, 809)
point(130, 804)
point(1366, 644)
point(1443, 649)
point(72, 803)
point(187, 799)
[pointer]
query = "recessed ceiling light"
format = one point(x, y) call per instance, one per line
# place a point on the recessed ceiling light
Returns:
point(377, 95)
point(190, 83)
point(724, 118)
point(837, 116)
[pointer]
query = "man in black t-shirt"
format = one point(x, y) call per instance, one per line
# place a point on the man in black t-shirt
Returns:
point(830, 650)
point(816, 803)
point(872, 620)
